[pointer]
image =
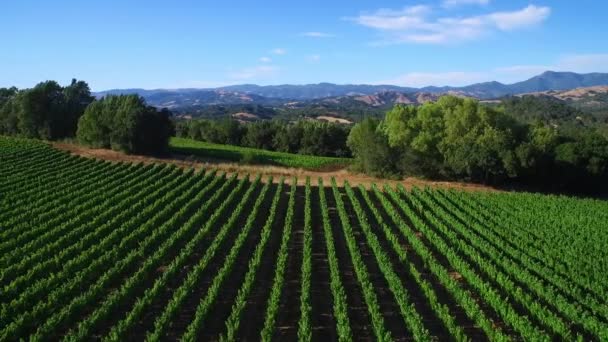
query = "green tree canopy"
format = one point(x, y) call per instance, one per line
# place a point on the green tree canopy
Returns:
point(460, 138)
point(303, 136)
point(125, 123)
point(47, 111)
point(369, 145)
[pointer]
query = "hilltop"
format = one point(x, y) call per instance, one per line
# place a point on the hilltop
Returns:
point(281, 94)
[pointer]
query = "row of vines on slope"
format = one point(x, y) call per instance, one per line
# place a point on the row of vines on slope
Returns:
point(97, 250)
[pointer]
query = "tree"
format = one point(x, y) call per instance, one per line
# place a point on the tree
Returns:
point(6, 94)
point(303, 137)
point(127, 124)
point(77, 98)
point(93, 130)
point(260, 135)
point(414, 132)
point(370, 148)
point(154, 131)
point(40, 111)
point(478, 142)
point(8, 111)
point(536, 153)
point(288, 138)
point(549, 110)
point(229, 131)
point(47, 111)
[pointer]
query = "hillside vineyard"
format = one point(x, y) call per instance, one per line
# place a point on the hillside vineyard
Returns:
point(94, 250)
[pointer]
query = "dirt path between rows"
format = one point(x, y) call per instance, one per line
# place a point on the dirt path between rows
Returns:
point(276, 171)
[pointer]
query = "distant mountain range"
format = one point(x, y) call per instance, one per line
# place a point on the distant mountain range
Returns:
point(372, 95)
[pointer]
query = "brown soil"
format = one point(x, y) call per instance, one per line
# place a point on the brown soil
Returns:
point(289, 303)
point(572, 94)
point(277, 172)
point(334, 119)
point(321, 298)
point(358, 314)
point(455, 275)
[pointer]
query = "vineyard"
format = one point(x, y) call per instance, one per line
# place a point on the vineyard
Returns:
point(96, 250)
point(254, 156)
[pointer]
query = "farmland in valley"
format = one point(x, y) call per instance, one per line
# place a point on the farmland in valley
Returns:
point(96, 250)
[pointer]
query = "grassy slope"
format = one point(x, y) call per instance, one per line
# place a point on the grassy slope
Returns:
point(253, 155)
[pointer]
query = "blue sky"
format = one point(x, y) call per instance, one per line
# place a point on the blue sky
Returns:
point(205, 43)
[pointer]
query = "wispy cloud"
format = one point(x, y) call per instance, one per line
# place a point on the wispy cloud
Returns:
point(313, 58)
point(265, 59)
point(523, 69)
point(580, 63)
point(584, 63)
point(526, 17)
point(316, 34)
point(417, 24)
point(257, 72)
point(278, 51)
point(417, 10)
point(423, 79)
point(455, 3)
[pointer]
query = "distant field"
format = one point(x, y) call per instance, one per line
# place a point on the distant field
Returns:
point(253, 155)
point(95, 250)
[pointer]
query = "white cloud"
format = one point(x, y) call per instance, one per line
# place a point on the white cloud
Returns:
point(417, 10)
point(314, 58)
point(418, 25)
point(528, 16)
point(257, 72)
point(265, 59)
point(315, 34)
point(455, 3)
point(423, 79)
point(395, 20)
point(278, 51)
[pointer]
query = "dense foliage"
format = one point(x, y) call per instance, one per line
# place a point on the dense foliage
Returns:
point(595, 103)
point(125, 123)
point(456, 138)
point(529, 140)
point(222, 111)
point(530, 108)
point(303, 137)
point(346, 107)
point(343, 107)
point(95, 250)
point(47, 111)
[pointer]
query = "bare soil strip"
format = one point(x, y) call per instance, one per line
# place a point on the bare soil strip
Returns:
point(276, 171)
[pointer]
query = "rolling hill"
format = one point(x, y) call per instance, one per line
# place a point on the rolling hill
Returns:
point(586, 92)
point(592, 100)
point(280, 94)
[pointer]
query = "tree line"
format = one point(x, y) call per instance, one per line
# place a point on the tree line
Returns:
point(301, 137)
point(519, 141)
point(461, 139)
point(49, 111)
